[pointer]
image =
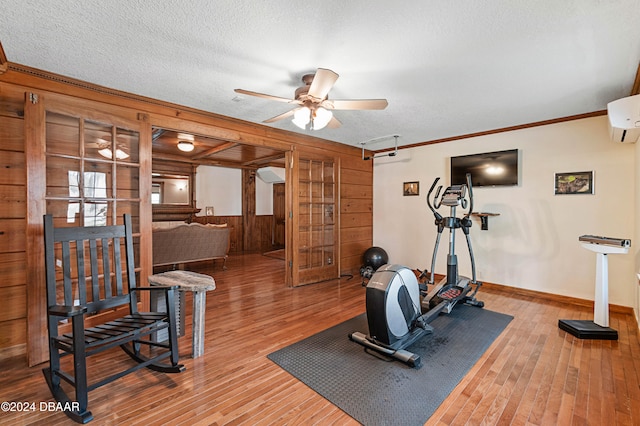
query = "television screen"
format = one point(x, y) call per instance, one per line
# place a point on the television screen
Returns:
point(498, 168)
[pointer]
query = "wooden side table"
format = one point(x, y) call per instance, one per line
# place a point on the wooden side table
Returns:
point(199, 284)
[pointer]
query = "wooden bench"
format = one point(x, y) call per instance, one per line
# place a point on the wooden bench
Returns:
point(89, 270)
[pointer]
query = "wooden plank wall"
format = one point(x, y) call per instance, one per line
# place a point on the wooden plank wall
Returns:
point(356, 212)
point(260, 232)
point(13, 210)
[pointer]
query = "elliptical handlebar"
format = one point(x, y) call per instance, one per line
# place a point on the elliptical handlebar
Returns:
point(470, 188)
point(435, 205)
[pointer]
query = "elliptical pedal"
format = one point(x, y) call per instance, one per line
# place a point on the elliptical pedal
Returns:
point(449, 292)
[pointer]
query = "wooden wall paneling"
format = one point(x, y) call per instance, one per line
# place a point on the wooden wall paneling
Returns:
point(263, 231)
point(12, 270)
point(35, 136)
point(12, 168)
point(11, 103)
point(12, 333)
point(11, 133)
point(356, 191)
point(249, 211)
point(355, 241)
point(356, 208)
point(279, 214)
point(14, 303)
point(13, 201)
point(13, 210)
point(12, 235)
point(357, 205)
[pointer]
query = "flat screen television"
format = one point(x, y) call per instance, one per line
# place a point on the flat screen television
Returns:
point(498, 168)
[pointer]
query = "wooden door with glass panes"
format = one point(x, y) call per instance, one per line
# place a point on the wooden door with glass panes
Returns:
point(315, 243)
point(93, 175)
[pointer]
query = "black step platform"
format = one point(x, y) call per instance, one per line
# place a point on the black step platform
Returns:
point(585, 329)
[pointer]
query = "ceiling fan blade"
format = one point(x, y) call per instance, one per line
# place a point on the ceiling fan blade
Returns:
point(262, 95)
point(356, 104)
point(281, 116)
point(323, 81)
point(334, 123)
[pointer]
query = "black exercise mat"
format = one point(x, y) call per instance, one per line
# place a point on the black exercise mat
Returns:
point(378, 392)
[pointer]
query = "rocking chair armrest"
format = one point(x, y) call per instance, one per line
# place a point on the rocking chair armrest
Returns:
point(66, 311)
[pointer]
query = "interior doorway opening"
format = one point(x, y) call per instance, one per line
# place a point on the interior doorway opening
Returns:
point(227, 182)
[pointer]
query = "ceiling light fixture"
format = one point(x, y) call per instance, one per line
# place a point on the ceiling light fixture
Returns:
point(185, 142)
point(313, 119)
point(185, 146)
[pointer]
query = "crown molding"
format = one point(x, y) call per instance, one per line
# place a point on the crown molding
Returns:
point(4, 64)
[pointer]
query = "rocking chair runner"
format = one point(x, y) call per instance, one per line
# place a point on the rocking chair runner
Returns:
point(84, 275)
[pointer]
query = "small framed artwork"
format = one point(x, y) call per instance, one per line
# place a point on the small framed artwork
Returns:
point(411, 188)
point(574, 183)
point(208, 210)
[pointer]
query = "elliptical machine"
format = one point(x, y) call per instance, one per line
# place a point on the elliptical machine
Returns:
point(396, 316)
point(456, 287)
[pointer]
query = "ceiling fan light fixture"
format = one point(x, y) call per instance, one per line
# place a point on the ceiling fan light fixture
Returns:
point(302, 117)
point(185, 146)
point(321, 118)
point(107, 153)
point(104, 149)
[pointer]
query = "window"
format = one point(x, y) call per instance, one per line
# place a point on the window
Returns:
point(86, 185)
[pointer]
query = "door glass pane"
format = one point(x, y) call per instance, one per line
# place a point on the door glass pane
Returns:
point(92, 171)
point(63, 135)
point(97, 140)
point(316, 218)
point(127, 146)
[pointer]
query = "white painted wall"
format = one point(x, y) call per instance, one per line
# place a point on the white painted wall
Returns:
point(533, 244)
point(264, 193)
point(221, 188)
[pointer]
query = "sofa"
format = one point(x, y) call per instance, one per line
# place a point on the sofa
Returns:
point(176, 243)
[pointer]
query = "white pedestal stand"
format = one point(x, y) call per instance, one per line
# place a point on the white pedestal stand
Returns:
point(599, 327)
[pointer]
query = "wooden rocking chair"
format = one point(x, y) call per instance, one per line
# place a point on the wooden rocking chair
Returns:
point(85, 273)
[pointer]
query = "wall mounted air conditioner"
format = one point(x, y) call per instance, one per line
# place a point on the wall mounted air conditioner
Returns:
point(624, 119)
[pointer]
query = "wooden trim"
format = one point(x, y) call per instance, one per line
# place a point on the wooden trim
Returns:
point(34, 135)
point(500, 130)
point(169, 115)
point(146, 213)
point(549, 297)
point(4, 64)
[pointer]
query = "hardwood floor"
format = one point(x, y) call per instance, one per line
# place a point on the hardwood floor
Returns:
point(533, 374)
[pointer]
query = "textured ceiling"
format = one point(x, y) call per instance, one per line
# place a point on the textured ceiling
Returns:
point(447, 68)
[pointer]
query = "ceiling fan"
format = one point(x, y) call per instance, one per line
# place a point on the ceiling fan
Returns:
point(314, 106)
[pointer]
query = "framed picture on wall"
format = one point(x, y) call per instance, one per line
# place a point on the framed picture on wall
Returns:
point(574, 183)
point(208, 210)
point(411, 188)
